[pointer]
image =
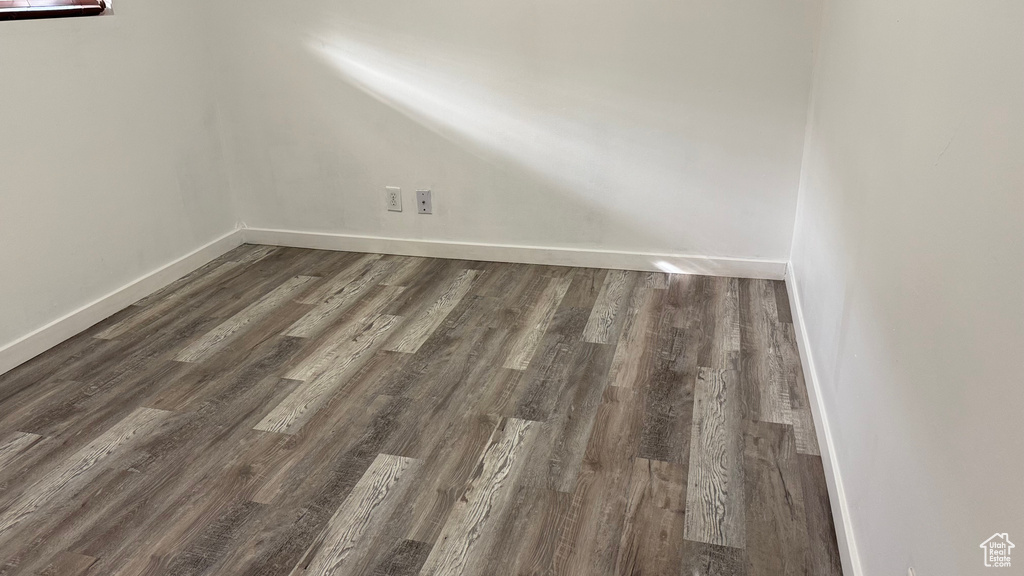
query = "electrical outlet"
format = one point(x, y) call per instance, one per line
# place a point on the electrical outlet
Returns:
point(423, 203)
point(393, 197)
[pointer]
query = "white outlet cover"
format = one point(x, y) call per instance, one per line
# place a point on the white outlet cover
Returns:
point(393, 198)
point(424, 205)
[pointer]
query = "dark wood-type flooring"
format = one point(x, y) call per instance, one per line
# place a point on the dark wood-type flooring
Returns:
point(301, 412)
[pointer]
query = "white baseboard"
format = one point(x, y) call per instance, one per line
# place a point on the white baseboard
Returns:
point(41, 340)
point(646, 262)
point(836, 494)
point(46, 337)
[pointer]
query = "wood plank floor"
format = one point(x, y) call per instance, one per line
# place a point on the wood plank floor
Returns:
point(301, 413)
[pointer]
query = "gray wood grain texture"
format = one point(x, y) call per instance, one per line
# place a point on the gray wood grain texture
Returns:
point(340, 299)
point(763, 374)
point(821, 531)
point(782, 309)
point(635, 352)
point(799, 398)
point(416, 332)
point(14, 444)
point(210, 342)
point(68, 564)
point(352, 276)
point(777, 539)
point(531, 449)
point(246, 255)
point(200, 287)
point(468, 532)
point(700, 559)
point(404, 271)
point(535, 325)
point(652, 537)
point(405, 558)
point(328, 370)
point(605, 317)
point(361, 515)
point(79, 467)
point(715, 490)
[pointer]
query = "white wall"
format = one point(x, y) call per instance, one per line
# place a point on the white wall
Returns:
point(110, 158)
point(638, 126)
point(909, 256)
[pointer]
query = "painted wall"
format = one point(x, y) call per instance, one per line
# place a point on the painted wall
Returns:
point(909, 256)
point(638, 126)
point(110, 157)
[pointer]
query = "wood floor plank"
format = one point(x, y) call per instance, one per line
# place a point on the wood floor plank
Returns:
point(591, 529)
point(536, 324)
point(556, 459)
point(606, 318)
point(652, 539)
point(656, 280)
point(585, 288)
point(684, 336)
point(341, 300)
point(714, 491)
point(777, 539)
point(431, 281)
point(68, 564)
point(77, 416)
point(79, 467)
point(189, 386)
point(209, 343)
point(468, 533)
point(447, 472)
point(404, 559)
point(346, 330)
point(213, 540)
point(419, 329)
point(350, 273)
point(701, 559)
point(763, 375)
point(668, 416)
point(726, 317)
point(799, 399)
point(404, 271)
point(635, 361)
point(364, 510)
point(14, 444)
point(194, 289)
point(246, 254)
point(33, 378)
point(330, 371)
point(526, 537)
point(821, 532)
point(543, 381)
point(783, 312)
point(165, 522)
point(803, 422)
point(317, 475)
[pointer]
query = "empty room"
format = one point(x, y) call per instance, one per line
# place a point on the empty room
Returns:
point(496, 288)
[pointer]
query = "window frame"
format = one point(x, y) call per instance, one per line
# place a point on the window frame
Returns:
point(32, 9)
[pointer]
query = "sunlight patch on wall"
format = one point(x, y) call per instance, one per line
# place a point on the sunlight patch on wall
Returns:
point(568, 139)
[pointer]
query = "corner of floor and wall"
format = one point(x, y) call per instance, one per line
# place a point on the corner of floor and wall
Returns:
point(871, 153)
